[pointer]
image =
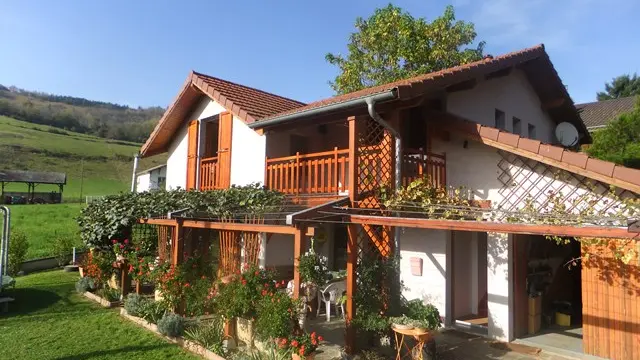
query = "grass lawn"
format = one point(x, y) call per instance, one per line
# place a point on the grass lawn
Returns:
point(105, 165)
point(42, 223)
point(49, 320)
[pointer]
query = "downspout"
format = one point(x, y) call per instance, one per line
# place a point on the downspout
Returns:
point(4, 242)
point(371, 107)
point(134, 181)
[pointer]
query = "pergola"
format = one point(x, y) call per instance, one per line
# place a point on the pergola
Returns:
point(32, 179)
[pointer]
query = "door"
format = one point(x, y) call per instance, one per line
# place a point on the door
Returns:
point(224, 149)
point(192, 154)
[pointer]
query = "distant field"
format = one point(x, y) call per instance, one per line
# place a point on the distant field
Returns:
point(105, 165)
point(43, 223)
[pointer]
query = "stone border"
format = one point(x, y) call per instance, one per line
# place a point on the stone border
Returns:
point(104, 302)
point(180, 341)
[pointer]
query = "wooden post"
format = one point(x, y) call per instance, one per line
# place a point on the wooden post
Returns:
point(125, 280)
point(178, 247)
point(298, 246)
point(352, 258)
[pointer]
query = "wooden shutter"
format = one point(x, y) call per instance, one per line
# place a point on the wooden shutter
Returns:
point(192, 154)
point(224, 149)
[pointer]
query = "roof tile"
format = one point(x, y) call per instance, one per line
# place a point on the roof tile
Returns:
point(599, 113)
point(601, 167)
point(529, 145)
point(508, 138)
point(627, 174)
point(550, 151)
point(575, 158)
point(489, 132)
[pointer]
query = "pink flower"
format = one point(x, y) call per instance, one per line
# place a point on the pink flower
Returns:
point(126, 241)
point(114, 241)
point(121, 246)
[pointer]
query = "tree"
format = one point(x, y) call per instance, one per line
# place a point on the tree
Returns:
point(621, 86)
point(619, 141)
point(393, 45)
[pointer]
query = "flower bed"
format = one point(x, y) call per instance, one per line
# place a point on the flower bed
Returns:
point(186, 344)
point(104, 302)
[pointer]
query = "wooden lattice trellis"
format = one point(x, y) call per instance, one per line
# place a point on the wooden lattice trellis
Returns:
point(523, 178)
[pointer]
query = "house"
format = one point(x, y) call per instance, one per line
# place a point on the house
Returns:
point(597, 115)
point(487, 126)
point(152, 178)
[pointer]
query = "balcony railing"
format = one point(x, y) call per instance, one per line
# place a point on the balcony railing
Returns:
point(317, 173)
point(209, 173)
point(418, 164)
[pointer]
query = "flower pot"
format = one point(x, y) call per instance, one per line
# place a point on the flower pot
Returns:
point(295, 356)
point(402, 326)
point(245, 331)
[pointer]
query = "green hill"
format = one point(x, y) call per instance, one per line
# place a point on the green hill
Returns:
point(100, 166)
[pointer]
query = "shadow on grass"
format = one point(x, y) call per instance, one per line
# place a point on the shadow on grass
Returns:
point(28, 300)
point(122, 350)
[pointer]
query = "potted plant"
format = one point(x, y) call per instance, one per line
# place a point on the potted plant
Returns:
point(402, 322)
point(301, 346)
point(426, 317)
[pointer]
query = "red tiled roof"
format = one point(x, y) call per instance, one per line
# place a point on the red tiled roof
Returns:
point(576, 162)
point(245, 102)
point(240, 99)
point(416, 85)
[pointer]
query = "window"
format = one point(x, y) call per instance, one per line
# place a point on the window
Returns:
point(500, 120)
point(532, 131)
point(517, 126)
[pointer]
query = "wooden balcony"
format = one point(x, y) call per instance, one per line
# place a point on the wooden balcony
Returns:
point(321, 173)
point(209, 173)
point(418, 163)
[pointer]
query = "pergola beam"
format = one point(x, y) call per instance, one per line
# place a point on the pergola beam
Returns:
point(213, 225)
point(466, 225)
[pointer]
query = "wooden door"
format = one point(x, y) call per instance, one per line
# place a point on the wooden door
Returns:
point(192, 154)
point(224, 149)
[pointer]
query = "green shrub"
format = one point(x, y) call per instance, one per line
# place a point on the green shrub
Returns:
point(153, 311)
point(171, 325)
point(18, 247)
point(209, 334)
point(276, 315)
point(134, 304)
point(61, 247)
point(85, 284)
point(110, 294)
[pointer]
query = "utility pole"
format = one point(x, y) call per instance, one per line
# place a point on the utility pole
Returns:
point(136, 158)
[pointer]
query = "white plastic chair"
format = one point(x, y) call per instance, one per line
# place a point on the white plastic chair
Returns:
point(331, 295)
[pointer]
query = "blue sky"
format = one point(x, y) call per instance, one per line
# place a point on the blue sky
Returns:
point(140, 52)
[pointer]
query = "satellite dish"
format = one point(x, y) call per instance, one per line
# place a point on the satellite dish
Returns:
point(567, 134)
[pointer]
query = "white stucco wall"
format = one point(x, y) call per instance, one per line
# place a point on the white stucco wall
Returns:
point(177, 160)
point(247, 154)
point(500, 286)
point(511, 94)
point(431, 247)
point(279, 250)
point(143, 182)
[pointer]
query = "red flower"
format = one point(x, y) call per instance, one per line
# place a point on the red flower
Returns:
point(313, 335)
point(114, 241)
point(257, 273)
point(130, 268)
point(294, 343)
point(126, 241)
point(244, 282)
point(301, 352)
point(277, 285)
point(203, 277)
point(187, 285)
point(264, 292)
point(320, 338)
point(266, 285)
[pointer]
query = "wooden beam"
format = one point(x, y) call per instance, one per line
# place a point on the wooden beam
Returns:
point(552, 104)
point(298, 248)
point(315, 211)
point(265, 228)
point(462, 86)
point(352, 259)
point(467, 225)
point(353, 157)
point(167, 222)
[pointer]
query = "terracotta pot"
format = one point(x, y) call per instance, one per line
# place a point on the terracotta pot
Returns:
point(295, 356)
